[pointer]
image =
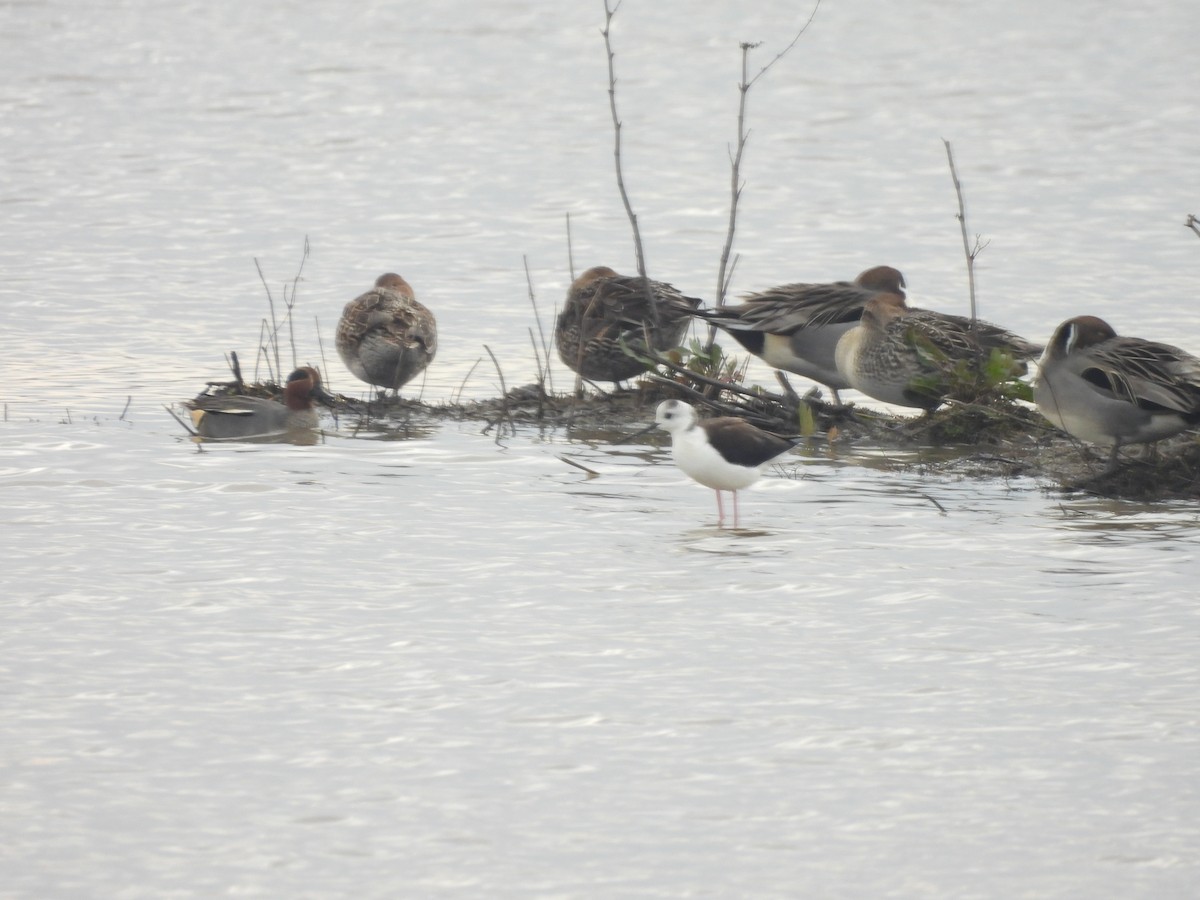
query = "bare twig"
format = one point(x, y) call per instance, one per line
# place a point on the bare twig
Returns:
point(784, 52)
point(616, 119)
point(235, 366)
point(941, 508)
point(290, 302)
point(544, 375)
point(421, 392)
point(788, 390)
point(592, 473)
point(755, 393)
point(723, 408)
point(537, 359)
point(188, 428)
point(128, 400)
point(736, 185)
point(735, 177)
point(321, 348)
point(570, 249)
point(273, 337)
point(971, 252)
point(264, 353)
point(504, 411)
point(462, 386)
point(325, 369)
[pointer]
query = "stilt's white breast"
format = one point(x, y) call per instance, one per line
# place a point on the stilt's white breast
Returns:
point(699, 459)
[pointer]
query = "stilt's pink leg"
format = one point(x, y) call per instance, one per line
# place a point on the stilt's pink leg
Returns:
point(735, 510)
point(720, 509)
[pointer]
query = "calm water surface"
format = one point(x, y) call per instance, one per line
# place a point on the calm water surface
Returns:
point(451, 666)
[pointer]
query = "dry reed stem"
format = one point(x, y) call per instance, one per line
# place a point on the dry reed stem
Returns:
point(274, 332)
point(186, 425)
point(321, 348)
point(264, 353)
point(570, 250)
point(505, 413)
point(462, 386)
point(291, 302)
point(544, 375)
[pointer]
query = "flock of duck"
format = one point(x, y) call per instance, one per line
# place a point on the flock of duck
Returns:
point(1094, 384)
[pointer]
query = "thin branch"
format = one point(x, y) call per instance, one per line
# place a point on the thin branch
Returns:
point(504, 411)
point(941, 508)
point(188, 428)
point(784, 52)
point(616, 119)
point(263, 352)
point(736, 184)
point(788, 390)
point(691, 375)
point(291, 302)
point(321, 347)
point(537, 359)
point(723, 408)
point(273, 338)
point(570, 249)
point(544, 376)
point(235, 366)
point(462, 386)
point(737, 257)
point(592, 473)
point(735, 176)
point(971, 252)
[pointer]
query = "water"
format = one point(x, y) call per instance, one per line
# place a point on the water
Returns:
point(451, 666)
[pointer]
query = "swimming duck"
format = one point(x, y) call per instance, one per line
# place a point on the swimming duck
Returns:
point(725, 454)
point(905, 356)
point(604, 311)
point(236, 417)
point(385, 337)
point(1106, 389)
point(796, 327)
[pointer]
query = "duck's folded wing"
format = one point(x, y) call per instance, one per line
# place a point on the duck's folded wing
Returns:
point(1148, 374)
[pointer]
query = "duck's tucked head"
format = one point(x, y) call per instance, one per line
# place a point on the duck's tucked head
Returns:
point(303, 387)
point(390, 281)
point(674, 416)
point(882, 278)
point(592, 275)
point(882, 309)
point(1078, 334)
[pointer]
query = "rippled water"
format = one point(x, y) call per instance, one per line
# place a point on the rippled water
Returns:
point(455, 666)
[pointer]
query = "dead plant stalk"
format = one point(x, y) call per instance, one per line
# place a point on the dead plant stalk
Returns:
point(736, 184)
point(971, 252)
point(616, 119)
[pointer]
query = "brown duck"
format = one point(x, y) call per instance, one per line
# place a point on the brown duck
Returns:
point(385, 337)
point(606, 314)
